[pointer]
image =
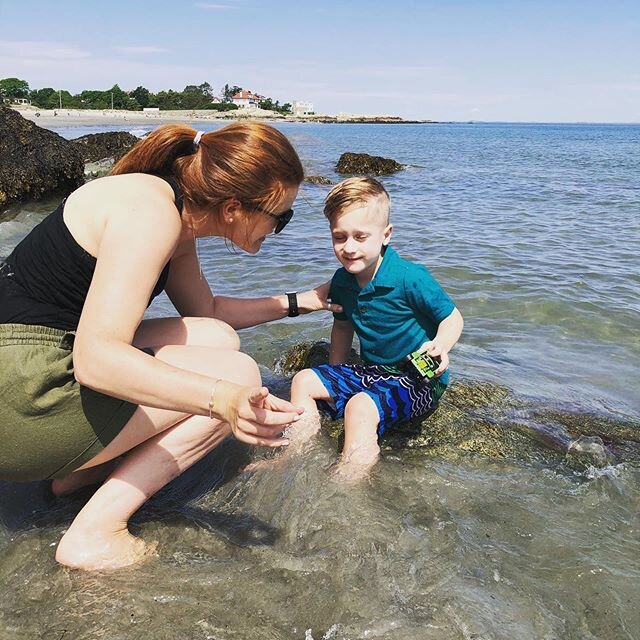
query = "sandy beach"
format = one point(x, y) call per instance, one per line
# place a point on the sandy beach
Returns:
point(95, 117)
point(49, 118)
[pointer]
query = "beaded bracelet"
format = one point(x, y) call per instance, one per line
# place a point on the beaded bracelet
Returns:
point(213, 393)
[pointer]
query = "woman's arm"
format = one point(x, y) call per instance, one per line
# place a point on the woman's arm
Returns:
point(140, 234)
point(192, 296)
point(341, 341)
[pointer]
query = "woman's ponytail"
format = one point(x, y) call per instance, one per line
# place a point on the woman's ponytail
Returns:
point(249, 161)
point(158, 151)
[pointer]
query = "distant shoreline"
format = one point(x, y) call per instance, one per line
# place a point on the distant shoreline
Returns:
point(96, 117)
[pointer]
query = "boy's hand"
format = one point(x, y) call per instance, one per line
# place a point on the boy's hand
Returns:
point(435, 350)
point(317, 300)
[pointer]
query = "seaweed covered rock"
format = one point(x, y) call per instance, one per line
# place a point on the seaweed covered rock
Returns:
point(305, 355)
point(98, 146)
point(35, 162)
point(487, 419)
point(317, 180)
point(363, 163)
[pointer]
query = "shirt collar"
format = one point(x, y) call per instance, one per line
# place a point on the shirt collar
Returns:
point(384, 276)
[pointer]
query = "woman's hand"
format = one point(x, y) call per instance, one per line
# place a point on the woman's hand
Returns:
point(435, 350)
point(317, 300)
point(255, 416)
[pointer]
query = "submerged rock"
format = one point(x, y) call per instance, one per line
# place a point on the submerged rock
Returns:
point(484, 418)
point(35, 162)
point(99, 146)
point(587, 451)
point(317, 180)
point(363, 163)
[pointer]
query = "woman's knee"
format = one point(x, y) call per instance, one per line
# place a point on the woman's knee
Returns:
point(245, 370)
point(209, 332)
point(230, 365)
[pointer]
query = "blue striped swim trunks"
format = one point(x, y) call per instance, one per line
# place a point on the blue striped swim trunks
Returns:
point(398, 396)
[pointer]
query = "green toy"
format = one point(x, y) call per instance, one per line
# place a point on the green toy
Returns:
point(422, 364)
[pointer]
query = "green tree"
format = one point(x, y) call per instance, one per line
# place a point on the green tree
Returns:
point(229, 91)
point(12, 88)
point(206, 89)
point(95, 99)
point(45, 98)
point(141, 95)
point(268, 104)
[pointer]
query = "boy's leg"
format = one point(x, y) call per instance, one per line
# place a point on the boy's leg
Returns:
point(306, 388)
point(361, 450)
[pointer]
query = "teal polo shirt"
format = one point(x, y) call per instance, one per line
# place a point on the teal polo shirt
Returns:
point(396, 312)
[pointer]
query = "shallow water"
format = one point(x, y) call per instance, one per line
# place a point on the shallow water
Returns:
point(535, 232)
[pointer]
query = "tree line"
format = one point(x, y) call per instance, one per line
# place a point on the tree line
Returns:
point(191, 97)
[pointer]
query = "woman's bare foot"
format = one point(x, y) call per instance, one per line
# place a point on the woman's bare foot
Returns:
point(82, 478)
point(94, 551)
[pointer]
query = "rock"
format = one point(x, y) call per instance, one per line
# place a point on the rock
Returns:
point(99, 146)
point(35, 162)
point(305, 355)
point(363, 163)
point(98, 169)
point(317, 180)
point(586, 451)
point(487, 419)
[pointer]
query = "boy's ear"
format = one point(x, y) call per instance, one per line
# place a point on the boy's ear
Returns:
point(387, 234)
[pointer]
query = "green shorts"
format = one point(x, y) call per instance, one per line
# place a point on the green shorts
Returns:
point(49, 424)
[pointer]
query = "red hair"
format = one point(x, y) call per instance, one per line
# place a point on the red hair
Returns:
point(249, 161)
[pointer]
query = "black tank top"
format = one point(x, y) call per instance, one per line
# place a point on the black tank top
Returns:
point(46, 278)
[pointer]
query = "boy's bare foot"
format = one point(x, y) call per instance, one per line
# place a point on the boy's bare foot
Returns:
point(356, 464)
point(82, 478)
point(350, 472)
point(94, 551)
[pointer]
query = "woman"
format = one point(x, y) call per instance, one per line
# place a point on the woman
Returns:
point(89, 391)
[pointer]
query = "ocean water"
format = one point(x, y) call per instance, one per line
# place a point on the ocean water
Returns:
point(535, 232)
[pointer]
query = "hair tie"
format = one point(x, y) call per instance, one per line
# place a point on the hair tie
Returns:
point(196, 140)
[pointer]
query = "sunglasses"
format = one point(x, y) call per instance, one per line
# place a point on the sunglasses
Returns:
point(282, 219)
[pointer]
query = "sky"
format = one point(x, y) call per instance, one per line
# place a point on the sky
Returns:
point(488, 60)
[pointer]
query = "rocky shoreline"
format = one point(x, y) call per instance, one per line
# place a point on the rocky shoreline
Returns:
point(36, 162)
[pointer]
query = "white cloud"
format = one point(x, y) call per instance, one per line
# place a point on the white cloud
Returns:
point(42, 50)
point(40, 64)
point(213, 7)
point(140, 49)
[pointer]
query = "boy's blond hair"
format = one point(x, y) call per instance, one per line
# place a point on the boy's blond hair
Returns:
point(352, 191)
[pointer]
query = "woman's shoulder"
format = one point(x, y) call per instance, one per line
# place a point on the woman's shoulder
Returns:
point(113, 191)
point(136, 202)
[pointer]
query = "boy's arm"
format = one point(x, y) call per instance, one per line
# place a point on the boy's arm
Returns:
point(448, 333)
point(341, 340)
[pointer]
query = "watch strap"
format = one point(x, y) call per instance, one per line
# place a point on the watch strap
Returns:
point(293, 304)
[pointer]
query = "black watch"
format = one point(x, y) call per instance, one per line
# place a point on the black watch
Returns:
point(293, 304)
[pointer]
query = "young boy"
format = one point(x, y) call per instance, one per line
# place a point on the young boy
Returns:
point(396, 307)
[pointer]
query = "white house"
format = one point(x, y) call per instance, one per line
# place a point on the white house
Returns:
point(300, 108)
point(246, 100)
